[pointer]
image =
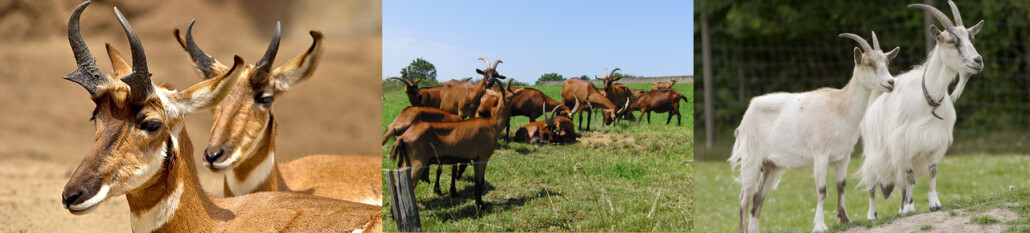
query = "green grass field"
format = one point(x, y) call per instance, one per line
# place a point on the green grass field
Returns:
point(628, 177)
point(975, 182)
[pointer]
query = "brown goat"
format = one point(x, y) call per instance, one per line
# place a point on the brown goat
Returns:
point(535, 132)
point(463, 98)
point(618, 94)
point(421, 97)
point(657, 85)
point(412, 115)
point(475, 139)
point(581, 91)
point(661, 100)
point(530, 103)
point(554, 129)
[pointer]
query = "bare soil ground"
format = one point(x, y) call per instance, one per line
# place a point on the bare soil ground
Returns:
point(944, 221)
point(45, 131)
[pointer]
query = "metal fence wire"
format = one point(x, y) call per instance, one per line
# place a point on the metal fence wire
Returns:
point(761, 47)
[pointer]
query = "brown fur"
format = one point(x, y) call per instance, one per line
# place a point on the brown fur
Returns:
point(535, 132)
point(425, 143)
point(412, 115)
point(422, 97)
point(240, 117)
point(588, 96)
point(463, 98)
point(658, 85)
point(661, 100)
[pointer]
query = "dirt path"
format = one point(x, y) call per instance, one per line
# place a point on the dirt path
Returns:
point(943, 221)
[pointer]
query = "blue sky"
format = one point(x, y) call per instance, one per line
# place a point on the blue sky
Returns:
point(571, 38)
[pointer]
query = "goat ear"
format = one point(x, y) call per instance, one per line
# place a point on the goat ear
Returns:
point(299, 68)
point(976, 28)
point(478, 71)
point(893, 53)
point(205, 94)
point(935, 33)
point(858, 56)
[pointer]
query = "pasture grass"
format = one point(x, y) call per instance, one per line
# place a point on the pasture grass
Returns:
point(627, 177)
point(976, 182)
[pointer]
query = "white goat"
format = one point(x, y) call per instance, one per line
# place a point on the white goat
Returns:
point(907, 131)
point(812, 129)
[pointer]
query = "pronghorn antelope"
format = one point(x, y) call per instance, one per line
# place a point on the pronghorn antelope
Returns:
point(243, 136)
point(142, 150)
point(463, 98)
point(426, 143)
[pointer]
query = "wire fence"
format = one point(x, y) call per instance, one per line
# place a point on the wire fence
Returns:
point(796, 48)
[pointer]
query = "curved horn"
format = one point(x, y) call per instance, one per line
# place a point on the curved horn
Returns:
point(86, 74)
point(612, 74)
point(954, 12)
point(876, 42)
point(487, 61)
point(402, 80)
point(508, 86)
point(554, 111)
point(498, 61)
point(576, 107)
point(624, 108)
point(265, 64)
point(139, 80)
point(943, 19)
point(861, 42)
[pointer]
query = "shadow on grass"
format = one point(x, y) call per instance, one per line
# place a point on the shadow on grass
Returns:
point(465, 203)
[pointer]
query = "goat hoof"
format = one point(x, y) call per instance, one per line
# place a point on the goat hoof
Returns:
point(935, 208)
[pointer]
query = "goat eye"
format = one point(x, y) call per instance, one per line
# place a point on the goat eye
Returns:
point(151, 126)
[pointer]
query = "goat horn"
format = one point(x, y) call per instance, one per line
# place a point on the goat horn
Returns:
point(487, 61)
point(876, 42)
point(954, 12)
point(86, 74)
point(202, 60)
point(943, 19)
point(139, 80)
point(624, 107)
point(576, 106)
point(554, 111)
point(402, 80)
point(612, 74)
point(265, 64)
point(498, 61)
point(861, 42)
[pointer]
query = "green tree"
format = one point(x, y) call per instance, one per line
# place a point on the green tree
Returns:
point(549, 77)
point(420, 69)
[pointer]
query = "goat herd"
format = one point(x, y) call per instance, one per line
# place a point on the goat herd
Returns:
point(434, 129)
point(905, 121)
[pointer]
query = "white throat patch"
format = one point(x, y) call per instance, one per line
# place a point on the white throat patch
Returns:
point(157, 216)
point(256, 177)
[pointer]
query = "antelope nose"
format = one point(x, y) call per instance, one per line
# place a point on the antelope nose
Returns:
point(212, 154)
point(68, 198)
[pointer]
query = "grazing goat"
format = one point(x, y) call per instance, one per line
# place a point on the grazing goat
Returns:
point(658, 85)
point(421, 97)
point(574, 91)
point(816, 129)
point(463, 98)
point(530, 103)
point(660, 100)
point(907, 131)
point(425, 143)
point(412, 115)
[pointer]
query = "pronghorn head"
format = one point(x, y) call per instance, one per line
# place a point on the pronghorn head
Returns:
point(955, 43)
point(136, 122)
point(244, 117)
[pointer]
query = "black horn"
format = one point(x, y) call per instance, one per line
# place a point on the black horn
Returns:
point(86, 74)
point(265, 65)
point(139, 80)
point(201, 60)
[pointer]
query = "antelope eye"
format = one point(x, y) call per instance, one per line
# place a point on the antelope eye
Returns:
point(151, 126)
point(263, 99)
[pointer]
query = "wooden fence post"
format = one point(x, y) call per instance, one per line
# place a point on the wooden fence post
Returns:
point(402, 200)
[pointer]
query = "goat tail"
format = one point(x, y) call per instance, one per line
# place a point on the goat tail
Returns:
point(684, 98)
point(398, 153)
point(745, 159)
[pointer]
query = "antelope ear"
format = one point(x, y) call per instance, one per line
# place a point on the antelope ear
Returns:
point(935, 33)
point(858, 56)
point(121, 68)
point(205, 94)
point(893, 53)
point(299, 68)
point(976, 28)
